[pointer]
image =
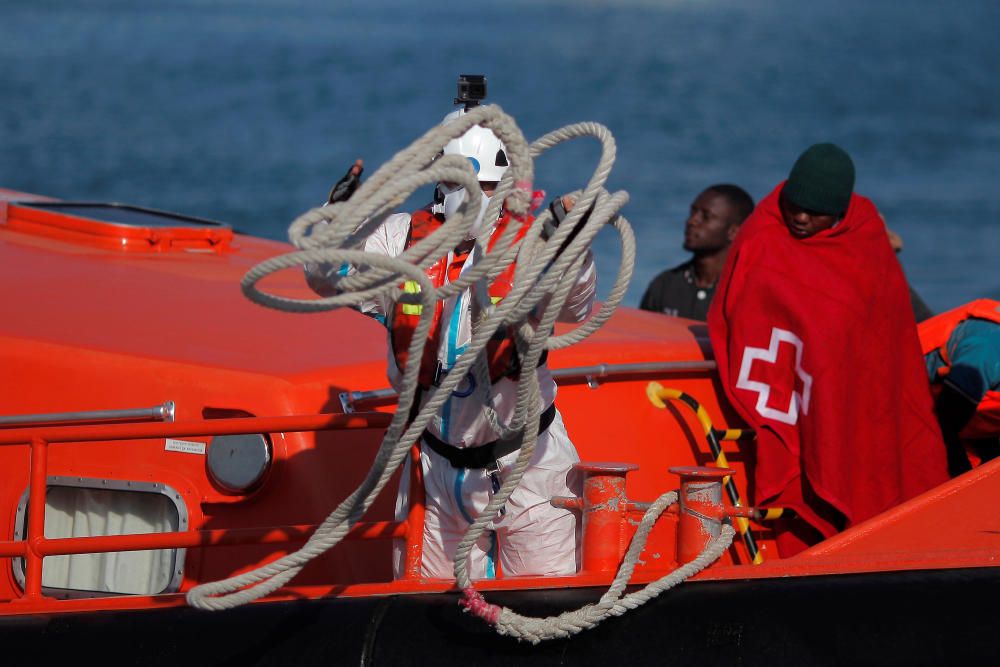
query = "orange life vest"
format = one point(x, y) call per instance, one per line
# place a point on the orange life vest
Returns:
point(501, 350)
point(934, 335)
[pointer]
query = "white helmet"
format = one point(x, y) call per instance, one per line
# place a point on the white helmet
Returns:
point(484, 150)
point(489, 160)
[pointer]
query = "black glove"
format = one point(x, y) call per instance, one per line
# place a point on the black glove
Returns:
point(559, 213)
point(346, 186)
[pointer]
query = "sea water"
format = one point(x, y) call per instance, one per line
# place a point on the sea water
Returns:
point(247, 111)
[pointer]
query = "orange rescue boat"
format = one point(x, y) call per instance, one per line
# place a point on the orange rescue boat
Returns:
point(176, 434)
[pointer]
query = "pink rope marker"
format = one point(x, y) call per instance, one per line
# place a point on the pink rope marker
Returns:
point(525, 186)
point(537, 199)
point(476, 604)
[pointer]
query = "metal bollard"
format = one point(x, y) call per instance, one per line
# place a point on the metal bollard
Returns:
point(604, 506)
point(701, 509)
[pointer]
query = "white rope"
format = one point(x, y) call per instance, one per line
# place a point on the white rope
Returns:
point(535, 630)
point(544, 274)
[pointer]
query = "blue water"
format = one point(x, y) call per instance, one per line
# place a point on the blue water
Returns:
point(246, 111)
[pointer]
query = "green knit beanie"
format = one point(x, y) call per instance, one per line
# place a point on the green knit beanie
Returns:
point(821, 180)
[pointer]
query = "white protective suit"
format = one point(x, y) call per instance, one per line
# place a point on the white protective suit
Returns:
point(531, 537)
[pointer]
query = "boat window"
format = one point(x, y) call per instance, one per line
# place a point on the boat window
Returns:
point(78, 507)
point(122, 214)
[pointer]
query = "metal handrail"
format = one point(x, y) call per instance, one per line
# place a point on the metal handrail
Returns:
point(230, 426)
point(160, 413)
point(590, 374)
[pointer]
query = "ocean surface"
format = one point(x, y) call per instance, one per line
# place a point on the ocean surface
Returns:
point(247, 111)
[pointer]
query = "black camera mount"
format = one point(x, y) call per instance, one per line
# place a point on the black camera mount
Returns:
point(471, 90)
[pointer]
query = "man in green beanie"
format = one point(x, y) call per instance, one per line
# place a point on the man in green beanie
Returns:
point(817, 351)
point(818, 190)
point(816, 197)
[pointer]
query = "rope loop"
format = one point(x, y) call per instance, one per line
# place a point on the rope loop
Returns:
point(613, 603)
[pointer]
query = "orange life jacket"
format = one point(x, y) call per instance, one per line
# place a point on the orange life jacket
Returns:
point(934, 335)
point(501, 350)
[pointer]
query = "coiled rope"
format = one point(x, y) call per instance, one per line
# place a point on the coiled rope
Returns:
point(544, 275)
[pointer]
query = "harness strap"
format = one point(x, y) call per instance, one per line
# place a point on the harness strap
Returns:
point(440, 372)
point(483, 455)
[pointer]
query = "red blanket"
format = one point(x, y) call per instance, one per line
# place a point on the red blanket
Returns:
point(817, 349)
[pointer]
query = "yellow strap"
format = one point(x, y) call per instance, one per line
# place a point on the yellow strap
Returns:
point(772, 513)
point(412, 287)
point(744, 526)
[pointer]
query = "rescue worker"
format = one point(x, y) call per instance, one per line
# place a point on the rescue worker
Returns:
point(962, 351)
point(463, 460)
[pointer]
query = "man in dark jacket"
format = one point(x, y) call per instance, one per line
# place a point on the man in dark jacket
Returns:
point(686, 290)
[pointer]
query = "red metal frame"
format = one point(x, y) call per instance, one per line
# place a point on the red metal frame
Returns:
point(896, 540)
point(605, 508)
point(36, 547)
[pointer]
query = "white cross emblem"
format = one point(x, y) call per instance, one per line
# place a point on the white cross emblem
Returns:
point(770, 355)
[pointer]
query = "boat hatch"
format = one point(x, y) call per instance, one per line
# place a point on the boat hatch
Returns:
point(117, 226)
point(78, 507)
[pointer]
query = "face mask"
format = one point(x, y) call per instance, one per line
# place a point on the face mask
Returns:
point(454, 198)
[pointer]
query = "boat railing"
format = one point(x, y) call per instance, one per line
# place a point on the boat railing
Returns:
point(160, 413)
point(35, 546)
point(592, 375)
